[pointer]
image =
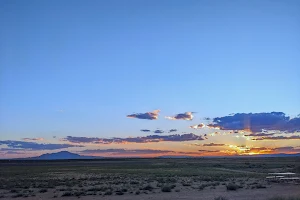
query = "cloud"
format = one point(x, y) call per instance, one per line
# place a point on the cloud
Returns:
point(140, 152)
point(172, 130)
point(260, 134)
point(148, 115)
point(213, 145)
point(33, 139)
point(126, 151)
point(255, 122)
point(35, 146)
point(287, 148)
point(208, 151)
point(145, 130)
point(207, 118)
point(145, 139)
point(199, 126)
point(182, 116)
point(294, 137)
point(158, 131)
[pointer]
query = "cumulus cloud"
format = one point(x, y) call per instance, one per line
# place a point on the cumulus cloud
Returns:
point(148, 115)
point(33, 139)
point(35, 146)
point(145, 139)
point(213, 145)
point(199, 126)
point(255, 122)
point(145, 130)
point(158, 131)
point(182, 116)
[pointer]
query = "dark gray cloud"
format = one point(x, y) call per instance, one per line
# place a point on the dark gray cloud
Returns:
point(145, 130)
point(287, 148)
point(255, 122)
point(33, 139)
point(144, 139)
point(148, 115)
point(137, 152)
point(261, 134)
point(208, 151)
point(182, 116)
point(172, 130)
point(213, 145)
point(126, 151)
point(158, 131)
point(294, 137)
point(207, 118)
point(35, 146)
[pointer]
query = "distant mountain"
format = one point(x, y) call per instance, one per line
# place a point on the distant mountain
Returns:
point(62, 155)
point(279, 155)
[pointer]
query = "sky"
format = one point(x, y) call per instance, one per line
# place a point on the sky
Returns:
point(73, 70)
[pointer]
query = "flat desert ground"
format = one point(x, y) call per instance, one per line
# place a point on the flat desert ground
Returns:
point(138, 179)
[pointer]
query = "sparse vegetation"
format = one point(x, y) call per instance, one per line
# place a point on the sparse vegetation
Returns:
point(166, 188)
point(220, 198)
point(232, 186)
point(130, 177)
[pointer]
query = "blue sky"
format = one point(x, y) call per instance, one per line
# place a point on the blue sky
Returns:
point(79, 67)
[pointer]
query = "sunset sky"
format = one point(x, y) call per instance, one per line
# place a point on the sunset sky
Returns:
point(149, 78)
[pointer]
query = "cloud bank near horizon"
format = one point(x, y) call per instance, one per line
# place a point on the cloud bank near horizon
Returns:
point(143, 139)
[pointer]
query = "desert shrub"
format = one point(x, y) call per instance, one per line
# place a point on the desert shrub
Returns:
point(124, 190)
point(78, 194)
point(108, 193)
point(148, 187)
point(284, 198)
point(43, 190)
point(13, 191)
point(220, 198)
point(259, 186)
point(232, 186)
point(137, 192)
point(67, 194)
point(134, 182)
point(177, 190)
point(186, 184)
point(119, 193)
point(166, 188)
point(17, 195)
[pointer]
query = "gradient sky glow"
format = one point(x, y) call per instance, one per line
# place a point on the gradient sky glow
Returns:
point(78, 68)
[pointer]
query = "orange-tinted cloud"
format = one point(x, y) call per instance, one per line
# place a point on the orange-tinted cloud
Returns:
point(213, 145)
point(198, 126)
point(182, 116)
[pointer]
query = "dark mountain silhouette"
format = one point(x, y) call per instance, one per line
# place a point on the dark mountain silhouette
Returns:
point(62, 155)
